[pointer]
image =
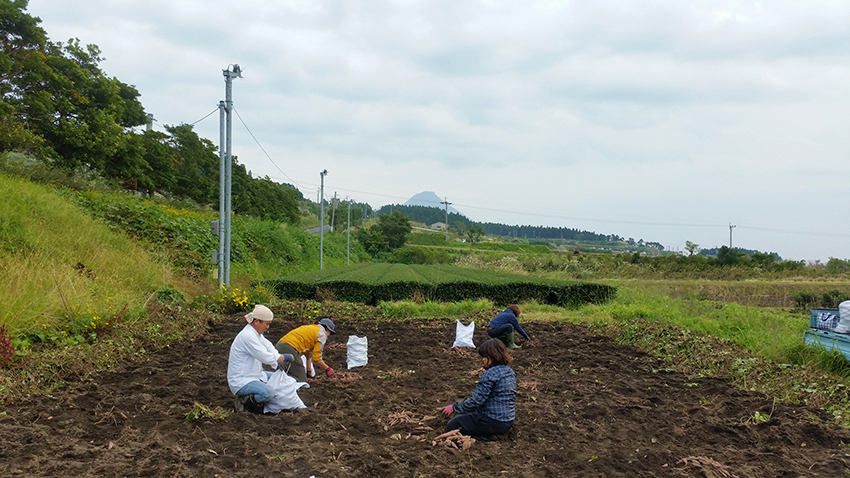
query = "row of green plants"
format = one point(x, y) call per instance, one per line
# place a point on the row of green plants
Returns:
point(374, 283)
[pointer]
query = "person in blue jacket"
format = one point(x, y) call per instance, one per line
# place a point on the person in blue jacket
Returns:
point(504, 324)
point(491, 409)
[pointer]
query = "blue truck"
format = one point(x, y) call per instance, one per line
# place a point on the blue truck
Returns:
point(821, 333)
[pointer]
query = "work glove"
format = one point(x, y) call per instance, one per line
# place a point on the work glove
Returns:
point(329, 371)
point(288, 357)
point(448, 410)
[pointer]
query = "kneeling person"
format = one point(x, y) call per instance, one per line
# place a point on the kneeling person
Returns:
point(491, 408)
point(307, 341)
point(248, 352)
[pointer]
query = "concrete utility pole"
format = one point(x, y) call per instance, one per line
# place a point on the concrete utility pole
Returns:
point(446, 202)
point(322, 219)
point(225, 168)
point(731, 226)
point(333, 211)
point(348, 234)
point(222, 172)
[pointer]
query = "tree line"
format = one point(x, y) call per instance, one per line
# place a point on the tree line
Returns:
point(59, 107)
point(462, 225)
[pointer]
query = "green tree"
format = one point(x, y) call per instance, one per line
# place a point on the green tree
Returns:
point(395, 227)
point(460, 226)
point(691, 247)
point(475, 232)
point(22, 43)
point(373, 240)
point(196, 165)
point(728, 256)
point(82, 114)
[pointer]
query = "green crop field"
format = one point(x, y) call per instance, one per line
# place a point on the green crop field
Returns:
point(374, 283)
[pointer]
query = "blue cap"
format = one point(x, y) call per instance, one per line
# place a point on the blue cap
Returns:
point(328, 324)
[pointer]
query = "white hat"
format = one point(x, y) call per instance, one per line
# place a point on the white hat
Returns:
point(260, 312)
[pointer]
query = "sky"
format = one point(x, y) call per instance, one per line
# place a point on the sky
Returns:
point(668, 121)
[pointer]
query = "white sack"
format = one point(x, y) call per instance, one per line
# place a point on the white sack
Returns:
point(285, 393)
point(312, 371)
point(463, 334)
point(357, 351)
point(844, 318)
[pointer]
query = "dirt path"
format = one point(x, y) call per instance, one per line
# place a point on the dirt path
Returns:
point(585, 407)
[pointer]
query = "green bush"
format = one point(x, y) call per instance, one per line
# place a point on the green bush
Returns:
point(375, 283)
point(831, 299)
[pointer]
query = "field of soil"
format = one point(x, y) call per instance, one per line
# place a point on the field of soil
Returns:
point(586, 407)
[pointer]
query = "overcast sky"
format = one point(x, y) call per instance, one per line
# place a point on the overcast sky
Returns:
point(658, 120)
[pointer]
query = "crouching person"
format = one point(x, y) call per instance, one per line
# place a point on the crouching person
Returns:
point(491, 409)
point(503, 326)
point(307, 341)
point(248, 352)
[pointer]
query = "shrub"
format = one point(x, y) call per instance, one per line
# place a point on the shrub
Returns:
point(805, 300)
point(831, 299)
point(235, 299)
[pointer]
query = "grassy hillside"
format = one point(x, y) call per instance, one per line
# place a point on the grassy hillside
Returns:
point(57, 260)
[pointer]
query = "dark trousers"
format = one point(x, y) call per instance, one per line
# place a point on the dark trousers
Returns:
point(295, 369)
point(500, 330)
point(477, 425)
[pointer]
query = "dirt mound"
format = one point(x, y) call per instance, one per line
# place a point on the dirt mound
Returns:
point(586, 406)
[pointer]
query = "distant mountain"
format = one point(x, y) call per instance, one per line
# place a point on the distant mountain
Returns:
point(430, 199)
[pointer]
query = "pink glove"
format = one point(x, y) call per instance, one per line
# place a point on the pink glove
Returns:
point(330, 371)
point(448, 410)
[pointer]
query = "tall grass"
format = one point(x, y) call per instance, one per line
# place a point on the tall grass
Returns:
point(55, 259)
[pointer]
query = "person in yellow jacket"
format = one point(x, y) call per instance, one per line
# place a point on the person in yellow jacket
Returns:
point(307, 341)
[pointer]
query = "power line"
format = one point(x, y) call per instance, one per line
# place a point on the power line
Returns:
point(551, 216)
point(205, 117)
point(263, 149)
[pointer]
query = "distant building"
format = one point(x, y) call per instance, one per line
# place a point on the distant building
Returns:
point(439, 225)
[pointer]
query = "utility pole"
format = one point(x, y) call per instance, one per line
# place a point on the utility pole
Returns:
point(222, 172)
point(348, 234)
point(731, 226)
point(446, 202)
point(322, 219)
point(225, 168)
point(333, 211)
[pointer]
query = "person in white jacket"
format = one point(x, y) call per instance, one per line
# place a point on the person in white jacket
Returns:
point(248, 352)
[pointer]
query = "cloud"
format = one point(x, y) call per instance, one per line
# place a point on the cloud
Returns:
point(661, 120)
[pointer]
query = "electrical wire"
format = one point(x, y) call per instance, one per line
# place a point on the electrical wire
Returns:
point(264, 149)
point(205, 117)
point(551, 216)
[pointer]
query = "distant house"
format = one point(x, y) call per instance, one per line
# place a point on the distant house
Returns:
point(439, 225)
point(318, 230)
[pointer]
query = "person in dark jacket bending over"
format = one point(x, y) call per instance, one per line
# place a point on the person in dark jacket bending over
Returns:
point(504, 324)
point(491, 408)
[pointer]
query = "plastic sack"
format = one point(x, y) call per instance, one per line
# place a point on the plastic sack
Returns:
point(357, 351)
point(285, 393)
point(843, 326)
point(463, 334)
point(312, 372)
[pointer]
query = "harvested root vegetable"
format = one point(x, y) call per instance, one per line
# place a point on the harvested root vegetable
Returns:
point(455, 440)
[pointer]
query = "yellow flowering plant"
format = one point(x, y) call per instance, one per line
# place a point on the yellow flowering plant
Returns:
point(234, 299)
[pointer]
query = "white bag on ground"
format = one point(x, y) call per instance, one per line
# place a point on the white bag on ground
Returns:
point(285, 393)
point(357, 351)
point(463, 335)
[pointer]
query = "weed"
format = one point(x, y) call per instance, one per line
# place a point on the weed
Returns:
point(202, 411)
